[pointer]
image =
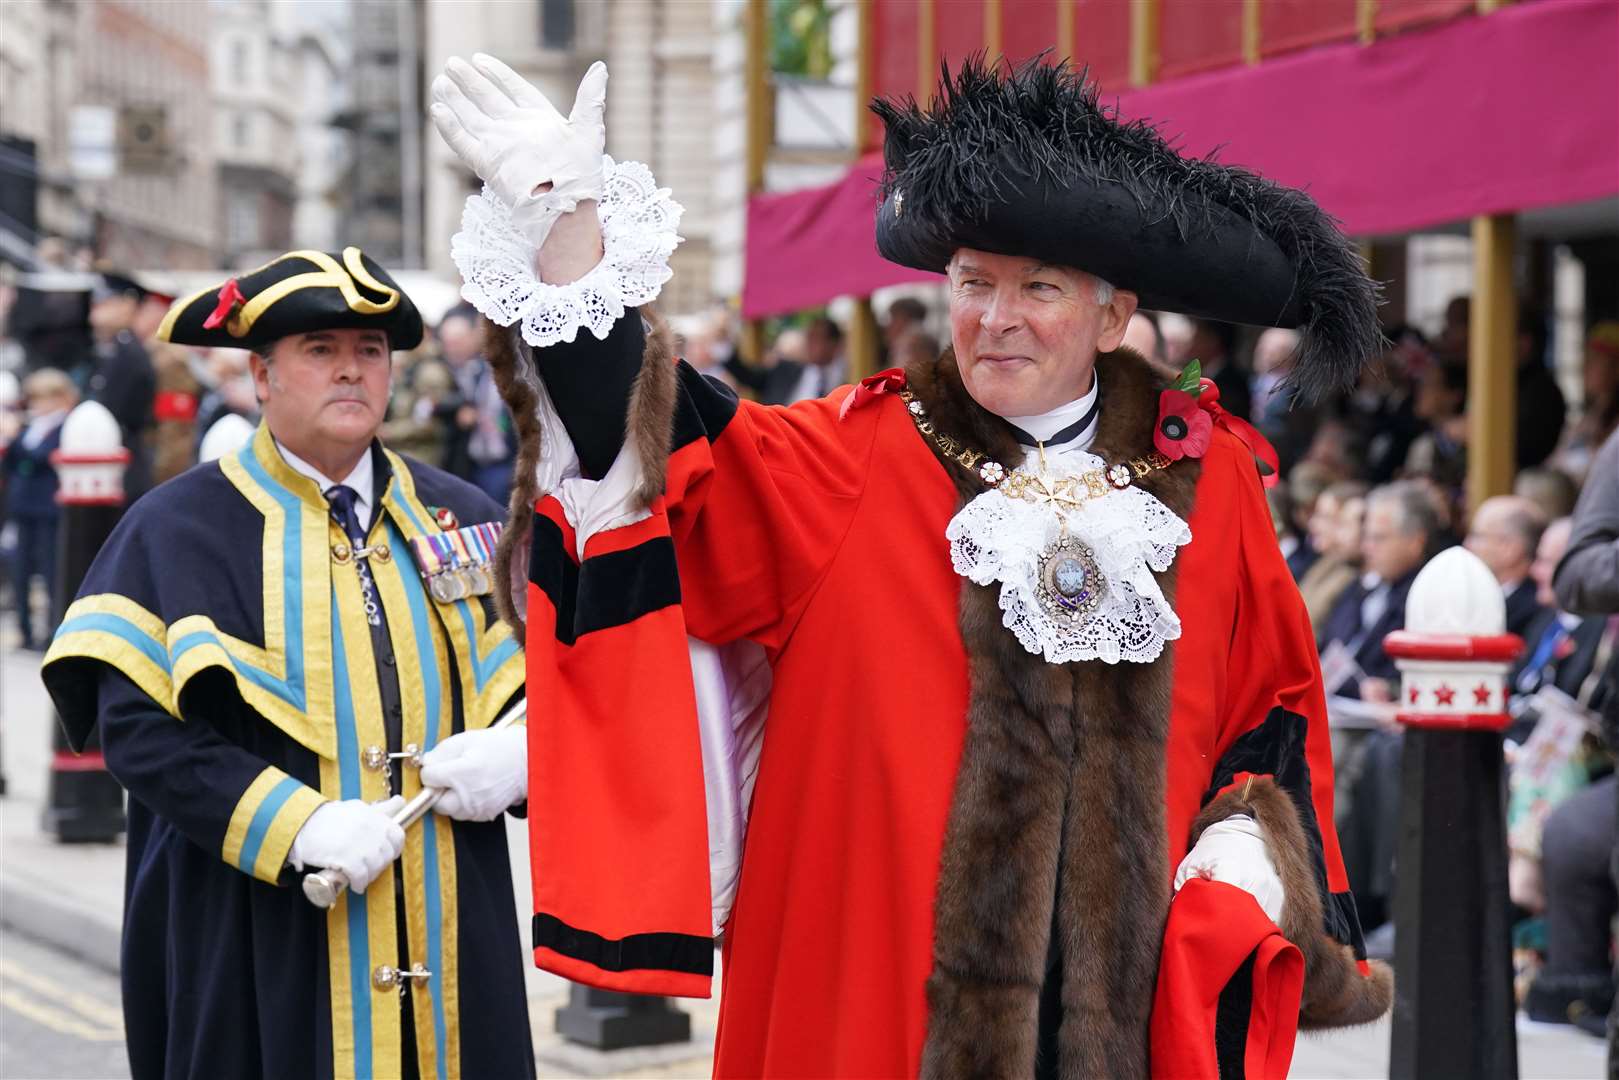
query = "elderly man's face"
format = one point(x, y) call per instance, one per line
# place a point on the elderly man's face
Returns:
point(1026, 333)
point(1389, 551)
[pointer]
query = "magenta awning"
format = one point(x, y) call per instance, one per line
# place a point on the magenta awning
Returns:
point(1510, 111)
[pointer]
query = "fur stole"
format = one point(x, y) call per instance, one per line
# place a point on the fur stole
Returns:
point(1059, 800)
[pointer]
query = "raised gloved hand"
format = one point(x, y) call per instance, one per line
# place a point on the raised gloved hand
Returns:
point(484, 772)
point(354, 836)
point(1233, 851)
point(516, 141)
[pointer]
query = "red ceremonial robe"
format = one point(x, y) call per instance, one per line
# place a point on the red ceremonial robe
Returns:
point(822, 538)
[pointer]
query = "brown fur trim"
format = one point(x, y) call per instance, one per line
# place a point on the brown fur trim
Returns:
point(651, 419)
point(1336, 994)
point(649, 422)
point(1059, 800)
point(517, 381)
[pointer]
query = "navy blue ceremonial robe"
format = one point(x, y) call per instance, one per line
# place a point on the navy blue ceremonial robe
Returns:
point(220, 640)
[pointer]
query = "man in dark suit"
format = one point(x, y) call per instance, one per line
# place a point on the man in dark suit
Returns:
point(1401, 524)
point(121, 375)
point(1560, 648)
point(1504, 534)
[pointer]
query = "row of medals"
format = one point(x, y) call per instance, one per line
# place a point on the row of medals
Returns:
point(459, 582)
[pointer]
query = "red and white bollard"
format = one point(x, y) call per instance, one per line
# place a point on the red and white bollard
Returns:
point(84, 803)
point(1453, 1000)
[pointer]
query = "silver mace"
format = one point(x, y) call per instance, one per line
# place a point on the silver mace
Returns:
point(323, 887)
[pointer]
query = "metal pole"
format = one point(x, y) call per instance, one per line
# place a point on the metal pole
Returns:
point(1453, 999)
point(84, 804)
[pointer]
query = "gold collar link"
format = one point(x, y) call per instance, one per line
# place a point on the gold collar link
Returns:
point(1068, 491)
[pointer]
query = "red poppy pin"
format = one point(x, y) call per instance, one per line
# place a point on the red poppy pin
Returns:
point(445, 517)
point(1184, 428)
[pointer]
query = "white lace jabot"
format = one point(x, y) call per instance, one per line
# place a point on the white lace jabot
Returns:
point(496, 261)
point(1131, 534)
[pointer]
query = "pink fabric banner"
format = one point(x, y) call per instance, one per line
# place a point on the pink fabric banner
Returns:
point(1511, 111)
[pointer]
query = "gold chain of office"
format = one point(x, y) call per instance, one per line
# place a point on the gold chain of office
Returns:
point(1067, 491)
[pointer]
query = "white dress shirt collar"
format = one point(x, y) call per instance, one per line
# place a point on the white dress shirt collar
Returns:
point(362, 478)
point(1044, 425)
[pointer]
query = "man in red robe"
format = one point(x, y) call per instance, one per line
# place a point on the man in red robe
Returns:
point(1042, 784)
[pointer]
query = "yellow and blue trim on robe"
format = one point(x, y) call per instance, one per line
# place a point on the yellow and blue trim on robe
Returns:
point(309, 679)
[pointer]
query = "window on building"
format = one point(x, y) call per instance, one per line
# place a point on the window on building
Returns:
point(238, 59)
point(242, 222)
point(241, 130)
point(556, 24)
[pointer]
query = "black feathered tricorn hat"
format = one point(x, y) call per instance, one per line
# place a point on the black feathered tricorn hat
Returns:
point(298, 293)
point(1030, 162)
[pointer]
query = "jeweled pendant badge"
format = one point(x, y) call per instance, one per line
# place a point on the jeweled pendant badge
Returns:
point(1071, 586)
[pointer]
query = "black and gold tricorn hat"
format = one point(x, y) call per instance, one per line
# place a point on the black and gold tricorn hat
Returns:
point(1031, 162)
point(298, 293)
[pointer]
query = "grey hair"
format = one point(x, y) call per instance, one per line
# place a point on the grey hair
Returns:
point(1104, 291)
point(1414, 511)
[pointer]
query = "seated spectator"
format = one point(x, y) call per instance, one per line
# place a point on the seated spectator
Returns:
point(1401, 523)
point(1301, 491)
point(1214, 346)
point(1553, 490)
point(1382, 409)
point(30, 487)
point(1542, 409)
point(1504, 534)
point(1335, 531)
point(1599, 400)
point(1554, 753)
point(1440, 452)
point(1288, 423)
point(1559, 647)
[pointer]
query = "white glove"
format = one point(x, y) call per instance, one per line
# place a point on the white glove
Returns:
point(515, 140)
point(484, 772)
point(1234, 851)
point(354, 836)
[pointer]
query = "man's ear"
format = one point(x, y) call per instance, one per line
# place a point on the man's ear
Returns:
point(1115, 320)
point(259, 364)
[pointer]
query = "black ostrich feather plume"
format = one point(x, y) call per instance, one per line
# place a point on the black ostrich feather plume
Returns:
point(995, 134)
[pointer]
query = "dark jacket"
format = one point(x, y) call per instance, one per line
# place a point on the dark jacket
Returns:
point(124, 381)
point(1541, 413)
point(1365, 643)
point(30, 478)
point(1523, 610)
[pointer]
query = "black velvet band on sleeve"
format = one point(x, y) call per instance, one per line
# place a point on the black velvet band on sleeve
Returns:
point(589, 382)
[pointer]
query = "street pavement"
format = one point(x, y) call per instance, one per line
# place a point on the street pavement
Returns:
point(59, 1016)
point(60, 909)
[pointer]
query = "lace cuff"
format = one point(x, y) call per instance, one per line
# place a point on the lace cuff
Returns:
point(496, 261)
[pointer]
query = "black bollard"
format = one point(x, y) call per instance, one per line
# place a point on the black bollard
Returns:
point(1454, 1008)
point(84, 804)
point(609, 1020)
